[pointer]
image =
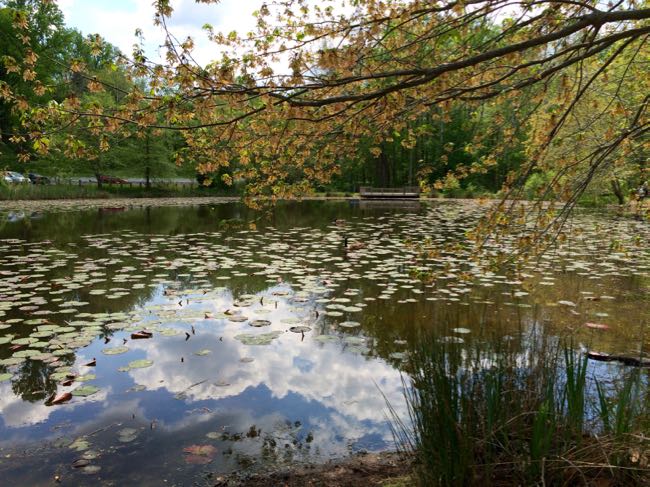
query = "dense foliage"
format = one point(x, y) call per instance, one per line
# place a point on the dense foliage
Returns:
point(539, 99)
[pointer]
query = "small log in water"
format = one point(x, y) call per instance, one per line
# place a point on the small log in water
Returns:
point(624, 359)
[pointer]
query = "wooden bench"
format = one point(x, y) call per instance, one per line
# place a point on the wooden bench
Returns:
point(406, 192)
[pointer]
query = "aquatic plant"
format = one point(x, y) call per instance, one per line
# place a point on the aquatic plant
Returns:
point(508, 415)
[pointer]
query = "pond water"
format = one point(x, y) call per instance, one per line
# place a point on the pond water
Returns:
point(207, 339)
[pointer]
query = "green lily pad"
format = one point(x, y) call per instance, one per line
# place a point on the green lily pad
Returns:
point(5, 377)
point(261, 339)
point(115, 350)
point(326, 338)
point(350, 324)
point(169, 332)
point(85, 391)
point(85, 378)
point(140, 364)
point(259, 323)
point(80, 444)
point(300, 329)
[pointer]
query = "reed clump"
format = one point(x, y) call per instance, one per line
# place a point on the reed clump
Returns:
point(542, 415)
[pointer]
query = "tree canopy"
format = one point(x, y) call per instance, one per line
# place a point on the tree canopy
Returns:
point(558, 88)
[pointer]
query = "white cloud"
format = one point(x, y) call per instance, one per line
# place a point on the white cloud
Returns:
point(118, 20)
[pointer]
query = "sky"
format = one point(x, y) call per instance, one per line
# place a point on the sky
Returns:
point(117, 20)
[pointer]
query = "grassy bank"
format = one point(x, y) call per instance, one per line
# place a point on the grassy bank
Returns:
point(541, 415)
point(58, 192)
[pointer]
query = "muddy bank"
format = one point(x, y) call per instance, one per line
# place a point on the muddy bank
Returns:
point(370, 469)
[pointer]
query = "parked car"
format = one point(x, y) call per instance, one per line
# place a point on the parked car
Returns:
point(38, 178)
point(112, 180)
point(13, 177)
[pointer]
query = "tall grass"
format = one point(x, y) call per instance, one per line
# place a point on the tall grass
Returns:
point(496, 416)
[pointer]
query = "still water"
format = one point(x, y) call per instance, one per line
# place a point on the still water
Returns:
point(207, 339)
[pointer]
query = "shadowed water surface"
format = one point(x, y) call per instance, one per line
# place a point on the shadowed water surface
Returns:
point(270, 339)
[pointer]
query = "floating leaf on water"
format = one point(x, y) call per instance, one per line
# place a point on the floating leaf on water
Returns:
point(398, 355)
point(326, 338)
point(462, 331)
point(349, 324)
point(247, 360)
point(300, 329)
point(5, 377)
point(137, 388)
point(290, 321)
point(115, 350)
point(80, 444)
point(140, 364)
point(202, 450)
point(203, 353)
point(85, 391)
point(169, 332)
point(333, 313)
point(90, 455)
point(259, 323)
point(213, 435)
point(127, 435)
point(597, 326)
point(237, 318)
point(261, 339)
point(567, 303)
point(85, 378)
point(352, 309)
point(90, 469)
point(141, 335)
point(198, 459)
point(355, 340)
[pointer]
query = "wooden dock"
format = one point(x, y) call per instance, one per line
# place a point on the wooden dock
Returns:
point(406, 192)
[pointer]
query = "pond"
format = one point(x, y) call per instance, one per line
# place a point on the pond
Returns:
point(206, 339)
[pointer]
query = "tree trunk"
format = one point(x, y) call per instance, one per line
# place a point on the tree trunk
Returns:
point(618, 191)
point(148, 168)
point(382, 169)
point(99, 180)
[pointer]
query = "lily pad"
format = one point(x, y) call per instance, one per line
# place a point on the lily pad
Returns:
point(259, 323)
point(115, 350)
point(300, 329)
point(350, 324)
point(140, 364)
point(84, 391)
point(261, 339)
point(326, 338)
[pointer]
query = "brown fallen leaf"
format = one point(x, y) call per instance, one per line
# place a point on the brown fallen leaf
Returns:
point(140, 335)
point(197, 460)
point(61, 398)
point(201, 450)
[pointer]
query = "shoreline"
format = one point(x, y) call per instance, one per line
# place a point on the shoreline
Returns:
point(385, 469)
point(160, 201)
